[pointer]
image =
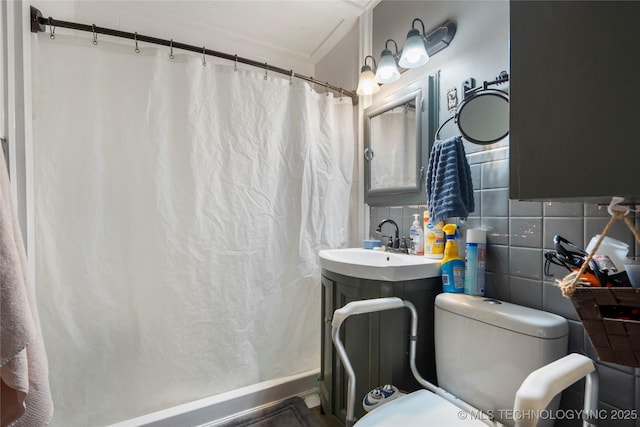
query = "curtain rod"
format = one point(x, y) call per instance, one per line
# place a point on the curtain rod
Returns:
point(39, 23)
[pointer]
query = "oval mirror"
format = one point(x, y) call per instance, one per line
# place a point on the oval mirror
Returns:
point(484, 117)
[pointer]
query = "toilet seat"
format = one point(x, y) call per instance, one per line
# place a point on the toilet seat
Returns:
point(419, 409)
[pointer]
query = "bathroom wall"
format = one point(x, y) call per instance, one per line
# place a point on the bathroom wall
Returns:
point(518, 232)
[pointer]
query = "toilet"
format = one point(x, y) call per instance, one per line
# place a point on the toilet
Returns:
point(485, 349)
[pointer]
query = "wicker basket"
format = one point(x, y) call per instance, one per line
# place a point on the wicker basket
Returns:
point(608, 314)
point(614, 339)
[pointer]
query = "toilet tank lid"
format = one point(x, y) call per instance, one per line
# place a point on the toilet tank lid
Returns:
point(505, 315)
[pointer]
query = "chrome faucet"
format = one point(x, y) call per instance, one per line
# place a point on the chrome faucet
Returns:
point(395, 241)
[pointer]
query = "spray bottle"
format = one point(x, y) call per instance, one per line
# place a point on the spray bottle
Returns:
point(417, 237)
point(452, 264)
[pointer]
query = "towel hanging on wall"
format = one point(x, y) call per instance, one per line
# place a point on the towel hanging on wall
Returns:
point(449, 185)
point(26, 398)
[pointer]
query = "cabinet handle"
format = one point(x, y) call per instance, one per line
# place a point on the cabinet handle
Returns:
point(368, 154)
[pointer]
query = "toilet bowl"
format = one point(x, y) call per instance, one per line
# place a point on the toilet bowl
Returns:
point(487, 351)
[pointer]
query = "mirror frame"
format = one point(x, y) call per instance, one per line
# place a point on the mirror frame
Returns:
point(377, 111)
point(428, 92)
point(486, 92)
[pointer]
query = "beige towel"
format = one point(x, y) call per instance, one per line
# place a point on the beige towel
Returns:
point(25, 395)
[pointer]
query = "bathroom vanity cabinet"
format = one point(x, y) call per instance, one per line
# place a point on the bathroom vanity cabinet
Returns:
point(377, 343)
point(574, 100)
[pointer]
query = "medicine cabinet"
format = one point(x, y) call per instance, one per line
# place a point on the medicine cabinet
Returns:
point(574, 100)
point(398, 133)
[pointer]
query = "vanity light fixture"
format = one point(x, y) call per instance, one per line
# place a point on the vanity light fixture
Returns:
point(414, 52)
point(387, 71)
point(367, 84)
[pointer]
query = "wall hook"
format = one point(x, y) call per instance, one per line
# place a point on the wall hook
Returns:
point(171, 49)
point(52, 29)
point(95, 35)
point(135, 37)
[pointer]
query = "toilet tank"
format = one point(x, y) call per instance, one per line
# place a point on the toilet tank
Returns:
point(485, 348)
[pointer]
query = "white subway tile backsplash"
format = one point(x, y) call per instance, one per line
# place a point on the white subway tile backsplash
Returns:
point(526, 292)
point(495, 174)
point(595, 210)
point(526, 232)
point(488, 155)
point(522, 208)
point(498, 259)
point(571, 229)
point(497, 230)
point(525, 262)
point(616, 387)
point(476, 176)
point(471, 222)
point(563, 209)
point(554, 302)
point(497, 286)
point(477, 198)
point(495, 202)
point(576, 337)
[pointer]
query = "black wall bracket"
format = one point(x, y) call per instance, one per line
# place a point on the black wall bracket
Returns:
point(36, 26)
point(469, 86)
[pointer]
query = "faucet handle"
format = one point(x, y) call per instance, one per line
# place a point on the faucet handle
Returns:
point(389, 240)
point(403, 245)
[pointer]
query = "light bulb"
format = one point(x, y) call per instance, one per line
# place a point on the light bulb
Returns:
point(414, 53)
point(387, 69)
point(367, 84)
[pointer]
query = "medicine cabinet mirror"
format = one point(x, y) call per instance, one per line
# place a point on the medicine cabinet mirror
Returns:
point(397, 131)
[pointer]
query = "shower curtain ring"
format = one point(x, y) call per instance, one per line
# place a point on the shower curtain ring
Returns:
point(204, 61)
point(291, 78)
point(235, 64)
point(171, 49)
point(135, 37)
point(266, 69)
point(95, 35)
point(52, 29)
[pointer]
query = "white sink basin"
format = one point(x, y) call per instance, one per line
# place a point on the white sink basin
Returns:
point(378, 265)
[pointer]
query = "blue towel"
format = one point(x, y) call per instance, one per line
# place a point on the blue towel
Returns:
point(449, 185)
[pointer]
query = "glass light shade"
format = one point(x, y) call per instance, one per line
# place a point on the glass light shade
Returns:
point(414, 53)
point(387, 71)
point(367, 84)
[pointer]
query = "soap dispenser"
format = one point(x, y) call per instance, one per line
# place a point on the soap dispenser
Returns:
point(417, 237)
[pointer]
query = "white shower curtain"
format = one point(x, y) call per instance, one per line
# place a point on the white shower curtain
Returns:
point(179, 209)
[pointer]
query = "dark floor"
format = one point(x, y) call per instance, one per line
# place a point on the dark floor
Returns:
point(324, 422)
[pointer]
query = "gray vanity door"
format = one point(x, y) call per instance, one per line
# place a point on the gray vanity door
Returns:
point(377, 343)
point(574, 100)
